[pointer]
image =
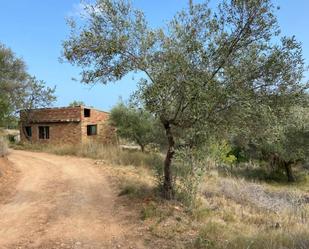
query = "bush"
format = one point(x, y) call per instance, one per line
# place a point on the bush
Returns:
point(135, 189)
point(221, 152)
point(3, 147)
point(149, 211)
point(190, 167)
point(260, 171)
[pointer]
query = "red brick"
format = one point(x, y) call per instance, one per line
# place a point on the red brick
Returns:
point(67, 125)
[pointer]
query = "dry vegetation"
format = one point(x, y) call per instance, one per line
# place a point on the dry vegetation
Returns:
point(109, 154)
point(231, 213)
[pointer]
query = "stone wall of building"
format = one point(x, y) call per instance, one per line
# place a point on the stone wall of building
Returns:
point(59, 133)
point(105, 132)
point(67, 125)
point(52, 114)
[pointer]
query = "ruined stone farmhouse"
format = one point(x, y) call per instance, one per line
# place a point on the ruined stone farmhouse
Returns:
point(66, 125)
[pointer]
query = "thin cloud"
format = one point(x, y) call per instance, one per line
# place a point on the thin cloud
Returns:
point(79, 10)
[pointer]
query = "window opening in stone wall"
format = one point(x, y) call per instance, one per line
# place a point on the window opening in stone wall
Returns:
point(43, 132)
point(86, 113)
point(91, 130)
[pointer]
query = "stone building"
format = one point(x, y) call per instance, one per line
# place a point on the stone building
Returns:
point(66, 125)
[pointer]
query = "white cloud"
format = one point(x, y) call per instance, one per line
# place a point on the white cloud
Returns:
point(78, 10)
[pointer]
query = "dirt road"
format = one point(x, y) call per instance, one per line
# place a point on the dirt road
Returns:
point(62, 202)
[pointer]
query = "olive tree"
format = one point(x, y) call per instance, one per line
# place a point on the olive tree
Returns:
point(134, 124)
point(199, 71)
point(284, 141)
point(19, 90)
point(277, 132)
point(77, 103)
point(12, 74)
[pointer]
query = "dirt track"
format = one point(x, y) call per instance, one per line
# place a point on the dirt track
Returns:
point(62, 202)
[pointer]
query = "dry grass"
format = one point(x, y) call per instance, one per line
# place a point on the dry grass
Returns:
point(103, 153)
point(251, 215)
point(232, 213)
point(260, 196)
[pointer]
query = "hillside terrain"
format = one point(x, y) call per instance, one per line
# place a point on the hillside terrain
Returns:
point(51, 201)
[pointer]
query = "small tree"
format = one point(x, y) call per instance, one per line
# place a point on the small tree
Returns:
point(200, 70)
point(288, 142)
point(134, 124)
point(277, 134)
point(36, 94)
point(77, 103)
point(19, 90)
point(12, 77)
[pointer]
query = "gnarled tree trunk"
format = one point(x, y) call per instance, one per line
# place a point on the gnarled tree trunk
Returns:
point(168, 190)
point(289, 172)
point(278, 163)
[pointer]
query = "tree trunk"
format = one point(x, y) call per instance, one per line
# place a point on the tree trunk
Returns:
point(25, 133)
point(168, 191)
point(25, 121)
point(140, 144)
point(289, 172)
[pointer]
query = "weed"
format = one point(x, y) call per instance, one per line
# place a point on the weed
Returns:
point(149, 211)
point(135, 190)
point(201, 213)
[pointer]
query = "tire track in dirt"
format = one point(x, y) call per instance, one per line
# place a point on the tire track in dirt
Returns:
point(62, 202)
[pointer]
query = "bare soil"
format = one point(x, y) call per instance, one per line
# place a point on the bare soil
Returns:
point(9, 177)
point(62, 202)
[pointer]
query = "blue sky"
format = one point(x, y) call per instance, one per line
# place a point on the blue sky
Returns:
point(34, 29)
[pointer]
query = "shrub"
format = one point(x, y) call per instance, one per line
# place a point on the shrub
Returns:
point(221, 152)
point(190, 167)
point(149, 211)
point(11, 138)
point(158, 168)
point(135, 189)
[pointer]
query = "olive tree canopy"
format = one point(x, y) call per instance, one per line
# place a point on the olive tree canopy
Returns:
point(19, 90)
point(203, 69)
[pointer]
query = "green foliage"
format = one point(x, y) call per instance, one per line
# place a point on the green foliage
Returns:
point(220, 152)
point(189, 169)
point(136, 125)
point(11, 138)
point(280, 136)
point(206, 72)
point(149, 211)
point(135, 190)
point(293, 135)
point(18, 89)
point(77, 103)
point(37, 94)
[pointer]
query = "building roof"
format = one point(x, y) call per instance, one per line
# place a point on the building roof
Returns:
point(55, 114)
point(65, 107)
point(75, 120)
